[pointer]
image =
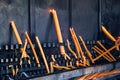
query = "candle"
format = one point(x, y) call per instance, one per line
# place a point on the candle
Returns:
point(17, 36)
point(108, 34)
point(42, 53)
point(32, 47)
point(58, 32)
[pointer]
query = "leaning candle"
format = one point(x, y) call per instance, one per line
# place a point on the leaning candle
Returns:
point(17, 36)
point(42, 53)
point(33, 50)
point(108, 34)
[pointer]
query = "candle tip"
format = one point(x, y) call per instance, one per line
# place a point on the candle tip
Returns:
point(50, 10)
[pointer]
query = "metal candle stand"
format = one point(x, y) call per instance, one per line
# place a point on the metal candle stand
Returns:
point(9, 55)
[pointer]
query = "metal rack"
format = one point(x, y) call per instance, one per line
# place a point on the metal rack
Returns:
point(9, 55)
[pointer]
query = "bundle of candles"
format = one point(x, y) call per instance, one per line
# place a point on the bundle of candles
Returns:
point(81, 59)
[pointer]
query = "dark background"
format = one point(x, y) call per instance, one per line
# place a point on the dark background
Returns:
point(85, 16)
